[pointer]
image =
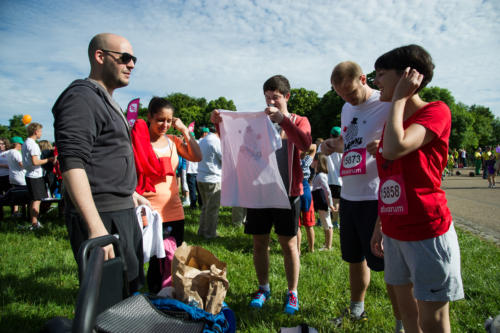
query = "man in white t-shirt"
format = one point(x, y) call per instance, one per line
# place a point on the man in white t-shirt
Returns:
point(362, 120)
point(15, 162)
point(34, 173)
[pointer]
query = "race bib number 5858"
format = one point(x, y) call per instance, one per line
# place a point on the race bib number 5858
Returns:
point(392, 196)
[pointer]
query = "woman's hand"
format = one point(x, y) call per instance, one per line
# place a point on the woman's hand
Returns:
point(179, 125)
point(407, 84)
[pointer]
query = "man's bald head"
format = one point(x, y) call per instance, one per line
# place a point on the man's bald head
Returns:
point(346, 71)
point(103, 41)
point(107, 63)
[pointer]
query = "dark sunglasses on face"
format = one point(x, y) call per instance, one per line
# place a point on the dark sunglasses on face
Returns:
point(125, 57)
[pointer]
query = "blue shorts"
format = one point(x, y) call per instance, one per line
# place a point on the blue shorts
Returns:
point(305, 199)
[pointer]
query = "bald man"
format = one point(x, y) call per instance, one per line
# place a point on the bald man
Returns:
point(96, 156)
point(362, 120)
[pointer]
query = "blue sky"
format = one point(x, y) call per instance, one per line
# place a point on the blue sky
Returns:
point(229, 48)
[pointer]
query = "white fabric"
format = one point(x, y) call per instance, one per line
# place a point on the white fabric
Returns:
point(250, 175)
point(30, 148)
point(191, 167)
point(3, 160)
point(361, 124)
point(320, 181)
point(16, 172)
point(333, 164)
point(209, 169)
point(152, 234)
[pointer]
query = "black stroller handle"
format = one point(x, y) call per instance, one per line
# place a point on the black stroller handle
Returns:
point(89, 244)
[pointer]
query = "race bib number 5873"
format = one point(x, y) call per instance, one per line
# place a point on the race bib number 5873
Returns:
point(353, 162)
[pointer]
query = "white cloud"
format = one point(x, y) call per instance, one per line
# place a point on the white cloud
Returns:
point(228, 48)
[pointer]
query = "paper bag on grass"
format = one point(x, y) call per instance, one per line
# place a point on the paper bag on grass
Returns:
point(199, 278)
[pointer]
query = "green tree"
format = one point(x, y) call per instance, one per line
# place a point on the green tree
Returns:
point(303, 102)
point(462, 131)
point(4, 132)
point(369, 80)
point(180, 100)
point(16, 127)
point(496, 131)
point(326, 115)
point(220, 103)
point(430, 94)
point(483, 124)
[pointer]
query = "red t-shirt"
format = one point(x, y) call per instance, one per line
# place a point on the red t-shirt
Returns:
point(428, 214)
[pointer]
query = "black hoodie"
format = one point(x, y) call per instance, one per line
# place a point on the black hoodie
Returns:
point(91, 133)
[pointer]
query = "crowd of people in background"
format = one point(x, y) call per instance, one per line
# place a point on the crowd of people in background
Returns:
point(365, 179)
point(29, 169)
point(485, 162)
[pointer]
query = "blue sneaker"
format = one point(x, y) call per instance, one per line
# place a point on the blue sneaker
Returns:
point(292, 303)
point(259, 298)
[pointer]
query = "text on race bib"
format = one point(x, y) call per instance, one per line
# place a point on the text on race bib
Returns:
point(390, 192)
point(352, 159)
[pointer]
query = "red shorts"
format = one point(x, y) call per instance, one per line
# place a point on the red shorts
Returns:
point(308, 219)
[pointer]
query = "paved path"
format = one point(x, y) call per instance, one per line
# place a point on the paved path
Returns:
point(474, 206)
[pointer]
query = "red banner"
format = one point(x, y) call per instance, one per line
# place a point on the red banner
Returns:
point(191, 127)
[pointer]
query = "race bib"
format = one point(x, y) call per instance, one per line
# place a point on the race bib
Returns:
point(353, 162)
point(392, 196)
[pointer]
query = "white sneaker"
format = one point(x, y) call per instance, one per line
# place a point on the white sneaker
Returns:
point(36, 226)
point(186, 202)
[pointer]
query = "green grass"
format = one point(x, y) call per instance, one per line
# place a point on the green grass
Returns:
point(38, 280)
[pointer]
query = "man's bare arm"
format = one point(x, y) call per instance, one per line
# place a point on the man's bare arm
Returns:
point(77, 184)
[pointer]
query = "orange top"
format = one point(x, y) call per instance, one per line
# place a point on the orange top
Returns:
point(166, 200)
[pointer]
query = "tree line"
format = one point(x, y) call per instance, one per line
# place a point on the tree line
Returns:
point(472, 126)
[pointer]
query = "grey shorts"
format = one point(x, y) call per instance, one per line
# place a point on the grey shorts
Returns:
point(431, 265)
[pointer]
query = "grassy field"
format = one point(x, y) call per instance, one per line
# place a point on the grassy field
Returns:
point(38, 280)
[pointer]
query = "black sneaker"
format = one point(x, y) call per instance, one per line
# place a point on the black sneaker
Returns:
point(347, 315)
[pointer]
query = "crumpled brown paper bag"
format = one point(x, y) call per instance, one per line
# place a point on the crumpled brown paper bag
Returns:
point(204, 285)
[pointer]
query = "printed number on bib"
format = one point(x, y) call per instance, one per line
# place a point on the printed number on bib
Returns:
point(390, 192)
point(352, 159)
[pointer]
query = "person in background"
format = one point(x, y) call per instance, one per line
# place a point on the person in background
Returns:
point(49, 176)
point(32, 162)
point(4, 167)
point(209, 184)
point(322, 197)
point(478, 161)
point(334, 179)
point(414, 231)
point(490, 165)
point(17, 173)
point(157, 155)
point(191, 172)
point(307, 216)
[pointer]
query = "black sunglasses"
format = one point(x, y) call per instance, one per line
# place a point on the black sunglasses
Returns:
point(125, 57)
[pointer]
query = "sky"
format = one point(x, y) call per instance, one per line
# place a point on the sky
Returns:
point(229, 48)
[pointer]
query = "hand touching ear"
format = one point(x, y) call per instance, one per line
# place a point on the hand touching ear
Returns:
point(408, 84)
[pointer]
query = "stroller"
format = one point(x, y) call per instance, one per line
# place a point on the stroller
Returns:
point(104, 304)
